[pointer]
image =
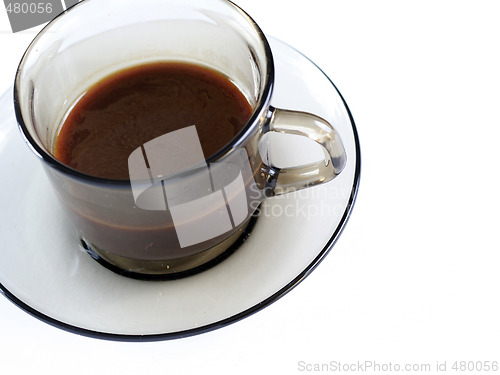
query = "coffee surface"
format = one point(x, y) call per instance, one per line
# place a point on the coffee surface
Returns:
point(135, 105)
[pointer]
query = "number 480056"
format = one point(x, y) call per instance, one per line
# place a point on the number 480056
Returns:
point(32, 8)
point(475, 366)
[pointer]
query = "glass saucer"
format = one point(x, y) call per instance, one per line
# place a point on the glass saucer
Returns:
point(46, 274)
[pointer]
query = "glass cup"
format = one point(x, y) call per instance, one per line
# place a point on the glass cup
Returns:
point(170, 218)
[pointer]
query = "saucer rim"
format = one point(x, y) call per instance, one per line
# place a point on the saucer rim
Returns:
point(243, 314)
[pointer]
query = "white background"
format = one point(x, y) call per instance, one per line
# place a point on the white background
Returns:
point(414, 278)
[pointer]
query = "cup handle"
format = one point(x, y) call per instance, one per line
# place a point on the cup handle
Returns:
point(283, 180)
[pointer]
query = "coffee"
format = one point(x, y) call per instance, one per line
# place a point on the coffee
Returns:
point(133, 106)
point(119, 115)
point(137, 216)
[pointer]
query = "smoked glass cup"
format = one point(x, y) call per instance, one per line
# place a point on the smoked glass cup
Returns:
point(159, 223)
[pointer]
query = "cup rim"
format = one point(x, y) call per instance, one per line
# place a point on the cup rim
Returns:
point(260, 107)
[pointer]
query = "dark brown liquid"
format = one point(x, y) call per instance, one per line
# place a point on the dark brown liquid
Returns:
point(136, 105)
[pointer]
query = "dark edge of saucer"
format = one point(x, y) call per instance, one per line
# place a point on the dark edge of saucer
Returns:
point(237, 317)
